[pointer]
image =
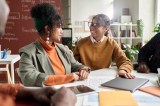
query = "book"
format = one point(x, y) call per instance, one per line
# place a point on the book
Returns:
point(154, 90)
point(125, 84)
point(116, 98)
point(134, 34)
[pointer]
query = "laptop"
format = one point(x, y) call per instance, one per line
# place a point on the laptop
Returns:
point(126, 84)
point(80, 90)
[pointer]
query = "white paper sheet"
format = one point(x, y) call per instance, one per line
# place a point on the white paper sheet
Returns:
point(96, 78)
point(144, 99)
point(91, 100)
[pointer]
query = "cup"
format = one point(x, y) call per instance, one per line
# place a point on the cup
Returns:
point(8, 52)
point(3, 54)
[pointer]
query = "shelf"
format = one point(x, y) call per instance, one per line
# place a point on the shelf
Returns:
point(136, 37)
point(127, 37)
point(126, 34)
point(120, 24)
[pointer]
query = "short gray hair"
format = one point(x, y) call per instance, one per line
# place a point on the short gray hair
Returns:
point(102, 20)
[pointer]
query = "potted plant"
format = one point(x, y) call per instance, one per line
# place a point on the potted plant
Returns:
point(69, 25)
point(140, 26)
point(131, 51)
point(156, 28)
point(71, 44)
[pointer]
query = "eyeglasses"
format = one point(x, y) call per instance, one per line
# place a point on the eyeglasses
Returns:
point(91, 24)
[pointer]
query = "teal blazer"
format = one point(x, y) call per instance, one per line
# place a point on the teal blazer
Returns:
point(35, 65)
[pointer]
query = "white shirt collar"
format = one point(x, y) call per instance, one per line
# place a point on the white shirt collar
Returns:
point(94, 41)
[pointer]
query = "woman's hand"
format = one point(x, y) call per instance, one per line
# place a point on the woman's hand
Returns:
point(75, 76)
point(143, 68)
point(123, 73)
point(83, 74)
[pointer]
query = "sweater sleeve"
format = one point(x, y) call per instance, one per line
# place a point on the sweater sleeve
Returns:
point(77, 54)
point(58, 79)
point(149, 49)
point(122, 62)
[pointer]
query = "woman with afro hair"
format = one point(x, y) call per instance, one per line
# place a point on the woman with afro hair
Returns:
point(45, 61)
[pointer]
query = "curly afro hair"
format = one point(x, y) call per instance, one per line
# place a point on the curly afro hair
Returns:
point(46, 11)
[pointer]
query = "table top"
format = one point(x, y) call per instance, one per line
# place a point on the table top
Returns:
point(10, 59)
point(97, 77)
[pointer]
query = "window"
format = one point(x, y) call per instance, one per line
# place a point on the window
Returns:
point(157, 11)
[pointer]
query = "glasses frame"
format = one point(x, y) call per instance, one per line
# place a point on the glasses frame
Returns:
point(95, 25)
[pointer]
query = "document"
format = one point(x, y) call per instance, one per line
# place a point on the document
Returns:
point(96, 78)
point(91, 100)
point(95, 82)
point(151, 76)
point(145, 99)
point(103, 72)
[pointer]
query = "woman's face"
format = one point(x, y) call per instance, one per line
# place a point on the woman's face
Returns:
point(96, 30)
point(56, 34)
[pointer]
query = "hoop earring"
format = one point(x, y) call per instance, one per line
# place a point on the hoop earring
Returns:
point(47, 39)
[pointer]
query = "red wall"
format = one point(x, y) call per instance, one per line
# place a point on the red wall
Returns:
point(20, 29)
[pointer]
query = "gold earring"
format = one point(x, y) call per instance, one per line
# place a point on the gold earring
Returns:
point(47, 39)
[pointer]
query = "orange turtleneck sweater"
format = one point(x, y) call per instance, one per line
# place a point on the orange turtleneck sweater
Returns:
point(61, 76)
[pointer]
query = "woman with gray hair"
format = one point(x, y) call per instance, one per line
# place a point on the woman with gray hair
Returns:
point(98, 51)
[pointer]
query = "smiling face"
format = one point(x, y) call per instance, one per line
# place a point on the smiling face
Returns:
point(97, 31)
point(4, 11)
point(56, 33)
point(99, 25)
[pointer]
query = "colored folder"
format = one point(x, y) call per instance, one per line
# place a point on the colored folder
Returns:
point(151, 90)
point(116, 98)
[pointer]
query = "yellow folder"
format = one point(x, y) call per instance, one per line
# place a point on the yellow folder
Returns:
point(116, 98)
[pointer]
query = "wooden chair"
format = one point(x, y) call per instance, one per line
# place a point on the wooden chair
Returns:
point(17, 73)
point(6, 70)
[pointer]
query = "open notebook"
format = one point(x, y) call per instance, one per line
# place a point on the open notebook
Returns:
point(126, 84)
